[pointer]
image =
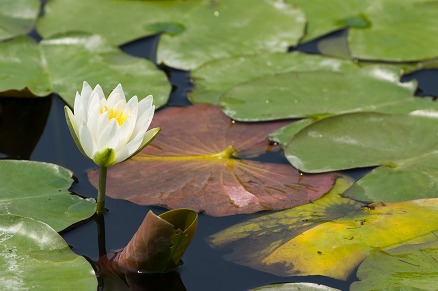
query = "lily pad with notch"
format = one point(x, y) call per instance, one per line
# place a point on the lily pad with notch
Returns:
point(198, 161)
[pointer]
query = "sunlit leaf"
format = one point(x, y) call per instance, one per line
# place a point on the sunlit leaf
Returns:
point(192, 164)
point(40, 190)
point(34, 256)
point(413, 267)
point(254, 240)
point(194, 32)
point(295, 286)
point(61, 65)
point(325, 16)
point(398, 31)
point(326, 237)
point(17, 17)
point(286, 133)
point(404, 145)
point(317, 93)
point(214, 78)
point(160, 241)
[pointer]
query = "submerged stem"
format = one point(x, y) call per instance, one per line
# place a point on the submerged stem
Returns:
point(100, 206)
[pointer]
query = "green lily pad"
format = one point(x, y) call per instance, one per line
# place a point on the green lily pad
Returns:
point(194, 32)
point(40, 190)
point(404, 145)
point(409, 267)
point(284, 134)
point(325, 16)
point(330, 236)
point(316, 93)
point(214, 78)
point(398, 31)
point(61, 65)
point(295, 287)
point(17, 17)
point(34, 256)
point(231, 28)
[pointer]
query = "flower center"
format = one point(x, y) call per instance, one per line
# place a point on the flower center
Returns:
point(120, 115)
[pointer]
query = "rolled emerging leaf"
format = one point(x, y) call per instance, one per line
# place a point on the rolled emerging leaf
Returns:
point(160, 241)
point(110, 130)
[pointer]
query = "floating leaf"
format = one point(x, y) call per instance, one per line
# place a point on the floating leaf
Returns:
point(295, 286)
point(17, 17)
point(406, 267)
point(216, 77)
point(312, 240)
point(34, 256)
point(325, 16)
point(40, 190)
point(405, 145)
point(160, 241)
point(398, 31)
point(317, 93)
point(194, 31)
point(192, 164)
point(71, 59)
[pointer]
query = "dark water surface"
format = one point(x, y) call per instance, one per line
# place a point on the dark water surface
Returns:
point(203, 268)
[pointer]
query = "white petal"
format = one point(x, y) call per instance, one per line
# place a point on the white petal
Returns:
point(126, 151)
point(86, 90)
point(145, 103)
point(118, 90)
point(102, 122)
point(109, 136)
point(79, 108)
point(96, 91)
point(86, 140)
point(144, 121)
point(93, 117)
point(116, 95)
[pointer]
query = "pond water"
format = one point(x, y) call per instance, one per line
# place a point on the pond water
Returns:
point(203, 268)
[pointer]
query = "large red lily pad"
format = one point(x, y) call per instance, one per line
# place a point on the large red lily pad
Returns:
point(197, 161)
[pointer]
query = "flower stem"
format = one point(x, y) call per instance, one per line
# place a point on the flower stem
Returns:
point(100, 207)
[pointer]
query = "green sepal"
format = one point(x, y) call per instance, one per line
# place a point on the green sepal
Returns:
point(72, 131)
point(105, 158)
point(149, 136)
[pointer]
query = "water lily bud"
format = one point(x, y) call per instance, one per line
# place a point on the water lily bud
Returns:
point(110, 130)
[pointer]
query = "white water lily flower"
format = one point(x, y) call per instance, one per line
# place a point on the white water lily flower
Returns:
point(109, 131)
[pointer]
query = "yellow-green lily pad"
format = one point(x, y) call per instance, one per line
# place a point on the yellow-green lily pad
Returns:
point(328, 237)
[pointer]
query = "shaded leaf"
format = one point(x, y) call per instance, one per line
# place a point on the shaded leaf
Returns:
point(404, 145)
point(317, 93)
point(194, 31)
point(325, 16)
point(34, 256)
point(216, 77)
point(71, 59)
point(405, 267)
point(393, 33)
point(295, 286)
point(17, 17)
point(160, 242)
point(40, 190)
point(195, 162)
point(306, 240)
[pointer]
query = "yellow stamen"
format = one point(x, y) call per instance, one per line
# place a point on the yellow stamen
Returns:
point(120, 116)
